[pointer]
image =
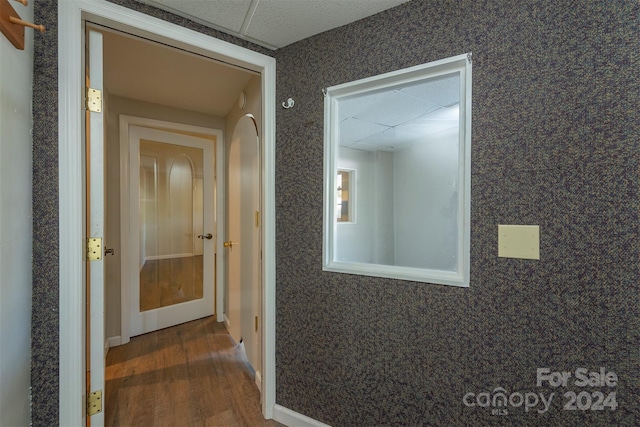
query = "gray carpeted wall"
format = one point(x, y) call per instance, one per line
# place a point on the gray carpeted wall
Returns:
point(555, 143)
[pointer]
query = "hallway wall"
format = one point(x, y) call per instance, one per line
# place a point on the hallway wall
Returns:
point(555, 143)
point(16, 124)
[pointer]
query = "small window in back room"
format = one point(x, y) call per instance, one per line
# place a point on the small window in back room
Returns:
point(345, 195)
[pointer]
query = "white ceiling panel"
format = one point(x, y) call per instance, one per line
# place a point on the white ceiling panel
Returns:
point(396, 108)
point(222, 14)
point(353, 130)
point(443, 91)
point(274, 23)
point(282, 22)
point(443, 114)
point(351, 107)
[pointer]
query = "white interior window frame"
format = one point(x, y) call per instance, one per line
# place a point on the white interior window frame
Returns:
point(459, 277)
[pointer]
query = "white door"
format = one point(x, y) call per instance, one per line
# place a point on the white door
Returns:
point(94, 146)
point(172, 229)
point(243, 244)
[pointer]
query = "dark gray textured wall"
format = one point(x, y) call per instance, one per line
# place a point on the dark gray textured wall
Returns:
point(44, 317)
point(555, 142)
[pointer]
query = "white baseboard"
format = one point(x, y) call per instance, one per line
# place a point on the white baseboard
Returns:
point(226, 322)
point(169, 256)
point(294, 419)
point(259, 380)
point(114, 341)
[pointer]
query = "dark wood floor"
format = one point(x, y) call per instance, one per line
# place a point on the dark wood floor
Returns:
point(189, 375)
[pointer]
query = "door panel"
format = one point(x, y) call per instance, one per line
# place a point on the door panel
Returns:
point(172, 228)
point(94, 145)
point(243, 254)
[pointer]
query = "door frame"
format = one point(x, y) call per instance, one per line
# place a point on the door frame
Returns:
point(71, 16)
point(125, 121)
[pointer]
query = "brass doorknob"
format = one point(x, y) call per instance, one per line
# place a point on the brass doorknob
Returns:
point(228, 244)
point(207, 236)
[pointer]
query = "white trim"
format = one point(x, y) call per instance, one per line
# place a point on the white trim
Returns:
point(269, 239)
point(170, 256)
point(227, 323)
point(70, 121)
point(258, 380)
point(114, 341)
point(72, 294)
point(292, 418)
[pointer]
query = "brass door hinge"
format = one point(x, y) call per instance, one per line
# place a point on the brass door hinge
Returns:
point(94, 403)
point(94, 249)
point(256, 323)
point(94, 100)
point(257, 219)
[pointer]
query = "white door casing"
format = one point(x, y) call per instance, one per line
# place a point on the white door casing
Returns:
point(71, 16)
point(150, 320)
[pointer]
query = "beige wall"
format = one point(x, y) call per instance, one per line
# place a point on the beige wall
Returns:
point(117, 106)
point(16, 76)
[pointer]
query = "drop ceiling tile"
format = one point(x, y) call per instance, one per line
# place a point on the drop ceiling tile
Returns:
point(352, 106)
point(282, 22)
point(451, 113)
point(443, 91)
point(352, 130)
point(224, 14)
point(396, 108)
point(423, 130)
point(367, 146)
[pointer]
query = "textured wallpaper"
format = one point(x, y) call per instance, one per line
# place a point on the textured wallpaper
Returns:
point(555, 140)
point(555, 143)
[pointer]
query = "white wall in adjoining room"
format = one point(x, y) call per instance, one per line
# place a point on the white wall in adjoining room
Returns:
point(426, 178)
point(16, 123)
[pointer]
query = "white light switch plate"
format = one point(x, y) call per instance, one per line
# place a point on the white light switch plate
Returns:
point(519, 241)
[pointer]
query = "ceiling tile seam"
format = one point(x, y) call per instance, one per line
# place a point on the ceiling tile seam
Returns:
point(209, 24)
point(244, 29)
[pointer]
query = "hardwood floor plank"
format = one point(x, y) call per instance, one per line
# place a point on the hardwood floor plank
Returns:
point(193, 374)
point(172, 382)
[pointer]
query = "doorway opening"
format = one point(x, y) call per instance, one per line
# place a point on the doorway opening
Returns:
point(72, 297)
